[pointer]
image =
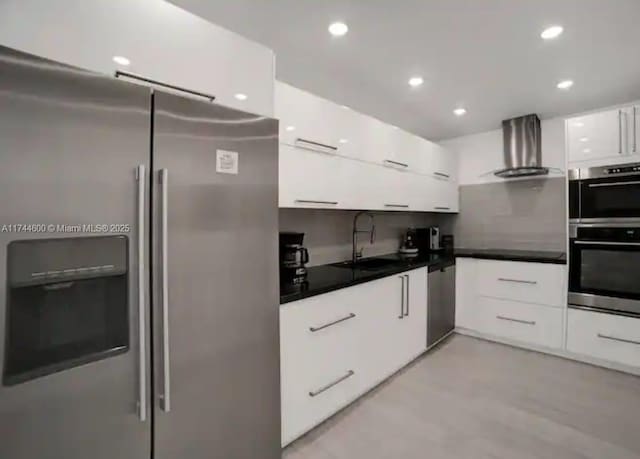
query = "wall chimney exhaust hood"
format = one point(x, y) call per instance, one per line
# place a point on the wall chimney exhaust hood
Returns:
point(522, 148)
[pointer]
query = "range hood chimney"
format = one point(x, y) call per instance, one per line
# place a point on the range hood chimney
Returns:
point(522, 147)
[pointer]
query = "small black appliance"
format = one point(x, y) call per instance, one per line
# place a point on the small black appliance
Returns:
point(293, 257)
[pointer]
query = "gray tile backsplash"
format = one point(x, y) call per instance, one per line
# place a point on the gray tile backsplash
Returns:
point(523, 214)
point(328, 232)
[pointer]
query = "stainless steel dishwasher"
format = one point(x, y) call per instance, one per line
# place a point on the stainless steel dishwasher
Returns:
point(441, 309)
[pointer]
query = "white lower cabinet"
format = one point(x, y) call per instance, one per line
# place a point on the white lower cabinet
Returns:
point(517, 301)
point(336, 346)
point(527, 323)
point(604, 336)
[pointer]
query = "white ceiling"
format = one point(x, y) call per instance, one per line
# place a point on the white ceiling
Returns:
point(485, 55)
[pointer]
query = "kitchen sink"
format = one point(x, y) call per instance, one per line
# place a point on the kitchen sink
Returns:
point(368, 264)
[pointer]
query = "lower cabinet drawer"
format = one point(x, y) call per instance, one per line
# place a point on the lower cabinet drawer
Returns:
point(526, 282)
point(311, 400)
point(529, 323)
point(604, 336)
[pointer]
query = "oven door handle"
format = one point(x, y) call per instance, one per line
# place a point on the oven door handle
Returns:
point(634, 244)
point(600, 185)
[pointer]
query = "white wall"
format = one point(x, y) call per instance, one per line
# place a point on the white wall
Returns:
point(480, 154)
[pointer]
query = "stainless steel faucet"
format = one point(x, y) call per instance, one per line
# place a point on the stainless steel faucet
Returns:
point(371, 231)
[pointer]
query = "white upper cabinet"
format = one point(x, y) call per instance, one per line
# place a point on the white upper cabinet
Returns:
point(162, 42)
point(599, 135)
point(437, 162)
point(336, 158)
point(309, 122)
point(607, 137)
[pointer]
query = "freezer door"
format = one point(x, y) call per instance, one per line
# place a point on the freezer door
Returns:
point(216, 291)
point(71, 145)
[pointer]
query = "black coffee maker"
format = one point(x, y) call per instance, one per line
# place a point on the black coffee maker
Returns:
point(293, 257)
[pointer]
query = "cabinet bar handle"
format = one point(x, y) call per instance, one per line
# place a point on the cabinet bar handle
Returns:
point(598, 185)
point(635, 129)
point(142, 324)
point(308, 201)
point(331, 384)
point(401, 316)
point(322, 327)
point(518, 281)
point(403, 206)
point(408, 290)
point(133, 76)
point(309, 144)
point(396, 163)
point(620, 132)
point(622, 340)
point(440, 174)
point(442, 208)
point(510, 319)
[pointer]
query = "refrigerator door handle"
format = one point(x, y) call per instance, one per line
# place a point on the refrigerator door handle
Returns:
point(165, 398)
point(142, 344)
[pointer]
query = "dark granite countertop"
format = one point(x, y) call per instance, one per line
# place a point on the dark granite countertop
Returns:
point(327, 278)
point(533, 256)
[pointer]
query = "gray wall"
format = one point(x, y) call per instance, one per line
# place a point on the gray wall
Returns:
point(523, 214)
point(328, 232)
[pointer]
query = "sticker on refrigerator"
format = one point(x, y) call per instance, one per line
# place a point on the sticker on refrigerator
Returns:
point(227, 162)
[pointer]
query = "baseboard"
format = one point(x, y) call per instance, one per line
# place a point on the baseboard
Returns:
point(555, 352)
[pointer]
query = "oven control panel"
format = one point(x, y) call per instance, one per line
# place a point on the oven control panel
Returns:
point(623, 169)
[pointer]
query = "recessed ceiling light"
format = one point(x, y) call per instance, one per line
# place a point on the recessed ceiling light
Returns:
point(343, 140)
point(584, 139)
point(578, 124)
point(290, 128)
point(459, 111)
point(566, 84)
point(241, 96)
point(338, 29)
point(121, 60)
point(587, 150)
point(552, 32)
point(416, 81)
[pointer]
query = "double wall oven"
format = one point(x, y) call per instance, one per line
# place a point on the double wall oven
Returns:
point(604, 262)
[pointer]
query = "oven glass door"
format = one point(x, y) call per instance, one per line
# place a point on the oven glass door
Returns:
point(605, 268)
point(610, 197)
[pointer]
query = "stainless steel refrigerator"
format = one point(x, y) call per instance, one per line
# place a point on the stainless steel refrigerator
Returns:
point(138, 271)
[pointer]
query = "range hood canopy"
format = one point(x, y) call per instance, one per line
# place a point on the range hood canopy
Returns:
point(522, 147)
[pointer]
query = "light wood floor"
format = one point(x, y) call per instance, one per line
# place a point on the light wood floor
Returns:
point(470, 398)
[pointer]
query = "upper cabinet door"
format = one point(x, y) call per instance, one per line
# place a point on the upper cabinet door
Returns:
point(311, 122)
point(161, 41)
point(437, 162)
point(598, 135)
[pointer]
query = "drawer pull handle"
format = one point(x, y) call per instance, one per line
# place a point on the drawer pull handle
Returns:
point(403, 206)
point(622, 340)
point(331, 384)
point(442, 208)
point(310, 144)
point(308, 201)
point(518, 281)
point(440, 174)
point(396, 163)
point(322, 327)
point(520, 321)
